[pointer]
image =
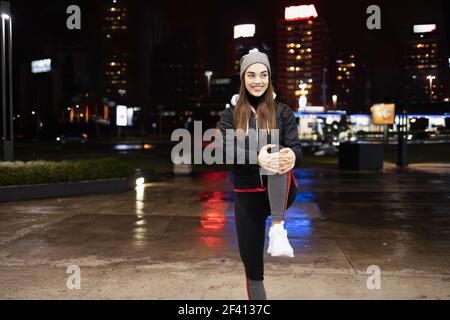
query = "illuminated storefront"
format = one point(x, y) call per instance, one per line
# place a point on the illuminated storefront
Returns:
point(311, 125)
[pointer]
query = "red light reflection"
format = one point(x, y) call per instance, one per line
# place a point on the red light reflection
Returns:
point(213, 219)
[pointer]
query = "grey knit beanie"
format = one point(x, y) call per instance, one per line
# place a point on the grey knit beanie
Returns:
point(252, 58)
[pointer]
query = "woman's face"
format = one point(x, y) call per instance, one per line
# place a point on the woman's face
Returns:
point(256, 79)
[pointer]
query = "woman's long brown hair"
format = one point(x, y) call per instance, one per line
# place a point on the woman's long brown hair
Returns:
point(265, 111)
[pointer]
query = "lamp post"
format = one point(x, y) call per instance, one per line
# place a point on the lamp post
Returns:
point(324, 86)
point(7, 91)
point(303, 100)
point(37, 124)
point(431, 78)
point(208, 75)
point(402, 128)
point(334, 98)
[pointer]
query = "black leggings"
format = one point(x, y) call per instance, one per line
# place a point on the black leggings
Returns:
point(251, 212)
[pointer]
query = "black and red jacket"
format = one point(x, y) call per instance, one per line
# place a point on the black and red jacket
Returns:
point(247, 176)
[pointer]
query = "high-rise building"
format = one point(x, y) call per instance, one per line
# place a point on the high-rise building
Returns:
point(115, 38)
point(424, 65)
point(245, 40)
point(349, 83)
point(302, 57)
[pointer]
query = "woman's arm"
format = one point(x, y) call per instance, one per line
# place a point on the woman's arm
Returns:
point(291, 139)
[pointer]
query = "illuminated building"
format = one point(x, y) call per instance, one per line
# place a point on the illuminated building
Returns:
point(50, 82)
point(114, 38)
point(424, 65)
point(302, 56)
point(349, 86)
point(245, 39)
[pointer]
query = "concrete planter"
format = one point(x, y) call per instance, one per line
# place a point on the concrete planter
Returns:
point(64, 189)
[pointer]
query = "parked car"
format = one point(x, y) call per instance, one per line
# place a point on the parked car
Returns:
point(72, 138)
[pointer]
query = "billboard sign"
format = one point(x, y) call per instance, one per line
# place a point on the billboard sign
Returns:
point(383, 113)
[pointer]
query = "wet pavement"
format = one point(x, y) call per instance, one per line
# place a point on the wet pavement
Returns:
point(175, 239)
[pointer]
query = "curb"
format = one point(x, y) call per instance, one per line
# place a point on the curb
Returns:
point(64, 189)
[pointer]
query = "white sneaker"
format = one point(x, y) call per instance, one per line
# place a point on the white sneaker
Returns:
point(271, 232)
point(278, 242)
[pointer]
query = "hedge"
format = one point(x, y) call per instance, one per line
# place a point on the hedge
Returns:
point(43, 171)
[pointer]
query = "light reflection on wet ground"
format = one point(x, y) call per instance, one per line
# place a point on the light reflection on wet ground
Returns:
point(397, 220)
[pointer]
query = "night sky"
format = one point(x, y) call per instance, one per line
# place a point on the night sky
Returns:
point(211, 23)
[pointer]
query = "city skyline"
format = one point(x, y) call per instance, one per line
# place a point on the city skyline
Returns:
point(206, 27)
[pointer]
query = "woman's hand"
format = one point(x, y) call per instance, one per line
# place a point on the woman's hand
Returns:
point(278, 162)
point(286, 160)
point(268, 161)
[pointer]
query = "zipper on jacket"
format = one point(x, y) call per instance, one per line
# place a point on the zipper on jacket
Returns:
point(257, 143)
point(257, 140)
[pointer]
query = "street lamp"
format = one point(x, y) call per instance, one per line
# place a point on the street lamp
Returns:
point(7, 90)
point(334, 99)
point(302, 101)
point(431, 78)
point(208, 75)
point(37, 124)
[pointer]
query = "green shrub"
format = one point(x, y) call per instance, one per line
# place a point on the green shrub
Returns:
point(42, 171)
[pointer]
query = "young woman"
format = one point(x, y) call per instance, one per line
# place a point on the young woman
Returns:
point(267, 187)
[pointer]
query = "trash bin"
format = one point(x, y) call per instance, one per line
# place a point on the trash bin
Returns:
point(361, 156)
